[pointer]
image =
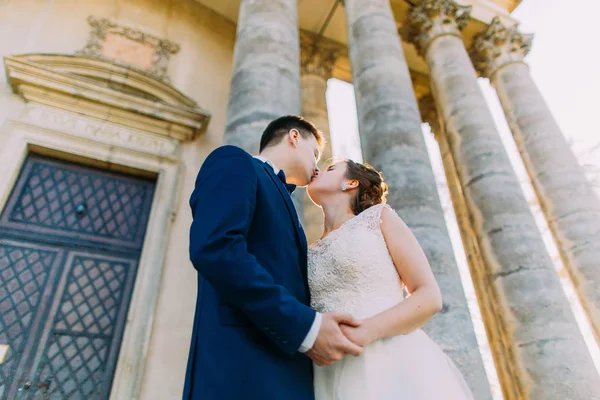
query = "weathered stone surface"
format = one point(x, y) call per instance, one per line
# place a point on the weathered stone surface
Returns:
point(317, 55)
point(314, 109)
point(489, 305)
point(266, 74)
point(392, 141)
point(266, 71)
point(550, 357)
point(567, 198)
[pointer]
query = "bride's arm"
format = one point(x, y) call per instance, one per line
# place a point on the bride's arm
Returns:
point(424, 299)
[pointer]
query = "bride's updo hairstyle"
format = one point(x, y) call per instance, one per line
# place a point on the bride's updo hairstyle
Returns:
point(371, 190)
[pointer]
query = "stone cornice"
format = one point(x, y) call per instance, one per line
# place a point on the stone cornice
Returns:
point(318, 54)
point(431, 19)
point(100, 89)
point(498, 46)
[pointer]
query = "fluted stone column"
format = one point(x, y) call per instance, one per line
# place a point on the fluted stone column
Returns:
point(567, 198)
point(266, 74)
point(549, 354)
point(392, 140)
point(317, 57)
point(489, 306)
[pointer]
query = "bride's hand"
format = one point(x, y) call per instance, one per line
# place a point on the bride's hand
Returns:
point(361, 336)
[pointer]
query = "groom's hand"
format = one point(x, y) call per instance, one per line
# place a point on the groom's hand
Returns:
point(331, 344)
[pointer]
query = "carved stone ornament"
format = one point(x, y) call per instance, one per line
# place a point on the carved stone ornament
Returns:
point(318, 54)
point(103, 90)
point(498, 46)
point(111, 41)
point(100, 131)
point(433, 18)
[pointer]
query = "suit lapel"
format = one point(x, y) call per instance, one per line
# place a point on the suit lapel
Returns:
point(300, 236)
point(288, 202)
point(304, 254)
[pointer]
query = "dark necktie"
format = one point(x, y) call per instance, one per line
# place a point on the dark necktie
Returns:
point(290, 187)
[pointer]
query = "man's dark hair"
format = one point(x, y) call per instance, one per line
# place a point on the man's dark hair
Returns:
point(279, 127)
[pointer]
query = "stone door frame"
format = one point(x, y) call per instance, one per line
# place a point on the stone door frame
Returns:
point(48, 131)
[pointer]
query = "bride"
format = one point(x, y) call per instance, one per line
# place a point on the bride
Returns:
point(363, 264)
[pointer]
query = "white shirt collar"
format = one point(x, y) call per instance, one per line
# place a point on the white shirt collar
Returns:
point(268, 162)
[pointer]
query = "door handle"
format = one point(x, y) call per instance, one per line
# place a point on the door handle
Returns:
point(25, 385)
point(41, 386)
point(45, 386)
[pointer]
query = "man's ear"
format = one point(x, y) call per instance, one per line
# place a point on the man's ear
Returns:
point(294, 137)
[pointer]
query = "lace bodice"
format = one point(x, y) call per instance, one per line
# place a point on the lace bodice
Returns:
point(350, 270)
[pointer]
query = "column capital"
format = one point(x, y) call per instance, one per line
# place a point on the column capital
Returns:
point(318, 54)
point(498, 46)
point(433, 18)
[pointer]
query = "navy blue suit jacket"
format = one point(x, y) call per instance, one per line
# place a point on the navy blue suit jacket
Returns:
point(252, 309)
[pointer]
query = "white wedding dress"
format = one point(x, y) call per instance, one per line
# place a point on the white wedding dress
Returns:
point(350, 270)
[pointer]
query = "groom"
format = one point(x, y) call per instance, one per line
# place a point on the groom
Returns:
point(253, 318)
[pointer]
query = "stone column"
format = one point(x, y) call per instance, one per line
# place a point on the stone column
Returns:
point(489, 306)
point(392, 140)
point(547, 349)
point(266, 74)
point(317, 55)
point(266, 70)
point(567, 198)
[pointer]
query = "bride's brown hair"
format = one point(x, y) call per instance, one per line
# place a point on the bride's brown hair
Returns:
point(372, 189)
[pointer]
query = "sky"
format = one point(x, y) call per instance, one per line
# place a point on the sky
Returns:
point(565, 64)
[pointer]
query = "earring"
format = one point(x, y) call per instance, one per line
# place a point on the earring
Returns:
point(344, 187)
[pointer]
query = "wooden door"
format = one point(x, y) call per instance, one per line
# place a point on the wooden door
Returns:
point(70, 241)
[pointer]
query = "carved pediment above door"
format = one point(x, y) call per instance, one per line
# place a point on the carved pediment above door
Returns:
point(129, 46)
point(109, 91)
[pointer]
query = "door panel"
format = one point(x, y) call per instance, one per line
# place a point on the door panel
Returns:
point(70, 241)
point(79, 354)
point(79, 203)
point(27, 274)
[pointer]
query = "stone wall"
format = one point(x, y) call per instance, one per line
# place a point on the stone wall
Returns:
point(201, 69)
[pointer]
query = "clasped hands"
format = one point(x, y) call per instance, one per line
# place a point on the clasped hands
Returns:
point(340, 335)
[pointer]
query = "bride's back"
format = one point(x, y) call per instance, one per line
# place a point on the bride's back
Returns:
point(350, 270)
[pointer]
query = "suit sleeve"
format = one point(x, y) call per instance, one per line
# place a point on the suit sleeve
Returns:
point(222, 205)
